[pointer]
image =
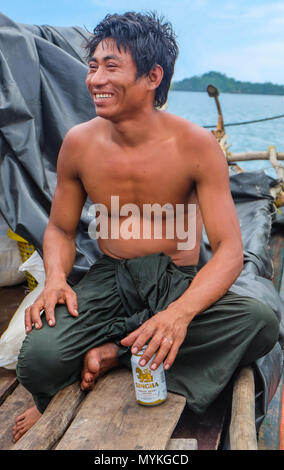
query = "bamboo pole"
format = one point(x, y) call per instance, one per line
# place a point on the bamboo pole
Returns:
point(242, 427)
point(273, 157)
point(257, 155)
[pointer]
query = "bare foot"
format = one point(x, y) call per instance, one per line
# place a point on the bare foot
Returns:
point(24, 422)
point(97, 362)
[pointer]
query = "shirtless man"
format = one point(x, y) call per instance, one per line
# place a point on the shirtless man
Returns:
point(143, 155)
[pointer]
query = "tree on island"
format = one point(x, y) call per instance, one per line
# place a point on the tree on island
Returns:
point(226, 85)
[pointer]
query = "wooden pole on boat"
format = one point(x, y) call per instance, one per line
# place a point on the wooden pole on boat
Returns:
point(242, 427)
point(273, 157)
point(246, 156)
point(220, 130)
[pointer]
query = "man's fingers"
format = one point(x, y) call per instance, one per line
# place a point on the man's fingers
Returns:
point(141, 339)
point(165, 348)
point(49, 308)
point(72, 305)
point(129, 339)
point(47, 301)
point(151, 349)
point(35, 310)
point(28, 320)
point(158, 345)
point(172, 355)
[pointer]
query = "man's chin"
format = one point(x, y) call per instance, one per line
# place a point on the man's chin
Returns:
point(110, 116)
point(104, 112)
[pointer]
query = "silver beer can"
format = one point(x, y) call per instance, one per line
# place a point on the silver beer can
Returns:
point(150, 385)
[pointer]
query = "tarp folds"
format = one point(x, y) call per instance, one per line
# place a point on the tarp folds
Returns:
point(42, 95)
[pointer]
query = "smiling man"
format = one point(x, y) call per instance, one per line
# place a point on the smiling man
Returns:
point(145, 289)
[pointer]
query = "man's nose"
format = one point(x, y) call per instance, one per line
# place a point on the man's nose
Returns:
point(99, 78)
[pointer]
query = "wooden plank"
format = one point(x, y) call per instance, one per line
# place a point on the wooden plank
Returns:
point(54, 421)
point(242, 427)
point(12, 407)
point(207, 427)
point(110, 418)
point(8, 383)
point(182, 444)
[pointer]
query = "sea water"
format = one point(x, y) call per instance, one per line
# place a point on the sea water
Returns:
point(201, 109)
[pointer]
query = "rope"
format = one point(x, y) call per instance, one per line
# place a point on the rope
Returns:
point(248, 122)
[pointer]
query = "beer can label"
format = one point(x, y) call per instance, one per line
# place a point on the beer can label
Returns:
point(150, 385)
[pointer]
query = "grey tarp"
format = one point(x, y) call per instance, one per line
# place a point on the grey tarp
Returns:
point(42, 95)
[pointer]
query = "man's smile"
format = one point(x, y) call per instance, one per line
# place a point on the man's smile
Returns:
point(102, 98)
point(102, 95)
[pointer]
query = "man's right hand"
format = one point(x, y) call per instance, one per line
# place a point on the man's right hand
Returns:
point(53, 294)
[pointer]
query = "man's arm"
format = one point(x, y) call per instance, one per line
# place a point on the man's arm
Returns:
point(59, 247)
point(210, 172)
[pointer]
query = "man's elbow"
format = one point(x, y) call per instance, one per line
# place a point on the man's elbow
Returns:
point(240, 262)
point(54, 230)
point(233, 253)
point(238, 259)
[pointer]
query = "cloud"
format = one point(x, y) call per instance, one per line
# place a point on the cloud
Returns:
point(267, 16)
point(260, 62)
point(140, 5)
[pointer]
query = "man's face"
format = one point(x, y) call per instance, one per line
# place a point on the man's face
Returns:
point(112, 82)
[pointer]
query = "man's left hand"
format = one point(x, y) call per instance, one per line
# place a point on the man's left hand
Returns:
point(164, 333)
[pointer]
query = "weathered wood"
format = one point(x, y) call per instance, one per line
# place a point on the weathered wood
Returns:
point(110, 418)
point(182, 444)
point(207, 427)
point(54, 421)
point(8, 383)
point(13, 406)
point(242, 427)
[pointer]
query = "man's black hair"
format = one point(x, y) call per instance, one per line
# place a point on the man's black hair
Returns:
point(150, 42)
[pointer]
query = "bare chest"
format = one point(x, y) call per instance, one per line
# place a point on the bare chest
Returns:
point(147, 177)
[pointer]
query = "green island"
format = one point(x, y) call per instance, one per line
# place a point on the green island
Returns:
point(226, 85)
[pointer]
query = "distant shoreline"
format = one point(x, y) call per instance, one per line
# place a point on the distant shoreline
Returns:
point(231, 92)
point(226, 85)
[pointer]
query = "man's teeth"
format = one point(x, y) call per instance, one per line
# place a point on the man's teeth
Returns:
point(101, 95)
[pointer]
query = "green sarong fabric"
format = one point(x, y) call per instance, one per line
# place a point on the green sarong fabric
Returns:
point(115, 297)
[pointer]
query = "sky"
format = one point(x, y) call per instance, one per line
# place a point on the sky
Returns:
point(243, 39)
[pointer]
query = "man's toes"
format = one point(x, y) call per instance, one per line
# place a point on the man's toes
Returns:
point(18, 434)
point(20, 418)
point(88, 381)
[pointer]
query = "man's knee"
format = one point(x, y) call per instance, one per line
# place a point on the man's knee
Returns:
point(265, 323)
point(38, 359)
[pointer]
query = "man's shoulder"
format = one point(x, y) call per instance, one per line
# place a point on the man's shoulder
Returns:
point(81, 133)
point(76, 144)
point(190, 136)
point(188, 130)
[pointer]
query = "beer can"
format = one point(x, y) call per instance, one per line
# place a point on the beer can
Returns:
point(150, 385)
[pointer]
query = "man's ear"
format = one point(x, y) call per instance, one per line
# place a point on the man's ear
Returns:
point(155, 77)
